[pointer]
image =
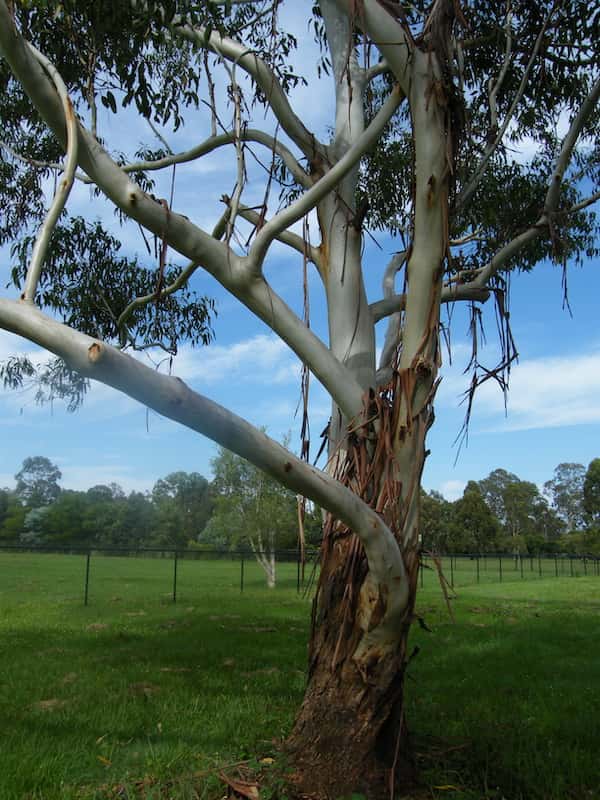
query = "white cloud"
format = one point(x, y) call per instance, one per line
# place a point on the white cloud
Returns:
point(262, 358)
point(80, 477)
point(452, 489)
point(544, 393)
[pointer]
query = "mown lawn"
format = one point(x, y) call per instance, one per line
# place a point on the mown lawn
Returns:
point(134, 696)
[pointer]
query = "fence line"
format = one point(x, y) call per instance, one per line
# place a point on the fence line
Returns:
point(458, 568)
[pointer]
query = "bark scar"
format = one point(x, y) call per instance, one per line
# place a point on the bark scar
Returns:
point(95, 352)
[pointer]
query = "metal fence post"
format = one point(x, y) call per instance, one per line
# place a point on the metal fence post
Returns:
point(452, 572)
point(242, 573)
point(175, 578)
point(421, 570)
point(571, 564)
point(500, 568)
point(87, 577)
point(477, 562)
point(540, 565)
point(521, 562)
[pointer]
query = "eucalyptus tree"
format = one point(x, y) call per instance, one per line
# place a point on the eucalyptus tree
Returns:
point(37, 482)
point(591, 490)
point(566, 493)
point(250, 508)
point(431, 101)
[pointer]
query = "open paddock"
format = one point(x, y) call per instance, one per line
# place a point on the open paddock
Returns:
point(135, 696)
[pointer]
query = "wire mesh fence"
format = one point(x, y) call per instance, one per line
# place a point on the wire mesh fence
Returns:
point(177, 575)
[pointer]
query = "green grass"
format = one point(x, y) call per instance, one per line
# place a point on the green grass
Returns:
point(134, 691)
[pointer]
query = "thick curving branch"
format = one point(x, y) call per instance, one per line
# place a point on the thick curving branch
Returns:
point(380, 309)
point(232, 271)
point(568, 145)
point(286, 237)
point(172, 398)
point(477, 288)
point(544, 222)
point(215, 142)
point(65, 183)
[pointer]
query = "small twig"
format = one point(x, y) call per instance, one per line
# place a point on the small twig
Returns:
point(507, 57)
point(467, 192)
point(140, 302)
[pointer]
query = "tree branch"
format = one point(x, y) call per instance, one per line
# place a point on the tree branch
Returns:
point(381, 309)
point(589, 201)
point(568, 145)
point(232, 271)
point(170, 397)
point(469, 189)
point(377, 69)
point(65, 183)
point(552, 195)
point(294, 212)
point(387, 33)
point(393, 332)
point(286, 237)
point(221, 140)
point(140, 302)
point(506, 63)
point(263, 75)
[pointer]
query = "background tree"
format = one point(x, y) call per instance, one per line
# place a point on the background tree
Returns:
point(12, 517)
point(436, 514)
point(493, 489)
point(591, 490)
point(184, 504)
point(473, 527)
point(37, 482)
point(250, 508)
point(430, 102)
point(566, 493)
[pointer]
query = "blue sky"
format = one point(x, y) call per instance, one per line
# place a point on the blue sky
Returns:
point(554, 403)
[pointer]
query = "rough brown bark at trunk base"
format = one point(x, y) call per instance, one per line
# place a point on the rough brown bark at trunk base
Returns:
point(350, 735)
point(336, 751)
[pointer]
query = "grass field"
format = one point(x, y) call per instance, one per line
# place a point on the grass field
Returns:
point(136, 697)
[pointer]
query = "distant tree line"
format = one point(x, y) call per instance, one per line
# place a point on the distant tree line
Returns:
point(241, 507)
point(503, 513)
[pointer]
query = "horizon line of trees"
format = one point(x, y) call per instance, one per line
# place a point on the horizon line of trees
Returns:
point(241, 507)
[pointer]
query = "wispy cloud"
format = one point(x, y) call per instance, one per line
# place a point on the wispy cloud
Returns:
point(258, 359)
point(544, 393)
point(80, 477)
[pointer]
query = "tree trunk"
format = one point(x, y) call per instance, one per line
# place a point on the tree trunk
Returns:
point(350, 734)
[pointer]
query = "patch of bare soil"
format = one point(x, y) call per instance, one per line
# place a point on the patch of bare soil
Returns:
point(52, 704)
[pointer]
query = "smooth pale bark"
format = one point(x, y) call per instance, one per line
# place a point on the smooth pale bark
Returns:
point(171, 397)
point(236, 274)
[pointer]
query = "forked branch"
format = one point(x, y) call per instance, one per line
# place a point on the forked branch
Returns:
point(309, 200)
point(233, 272)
